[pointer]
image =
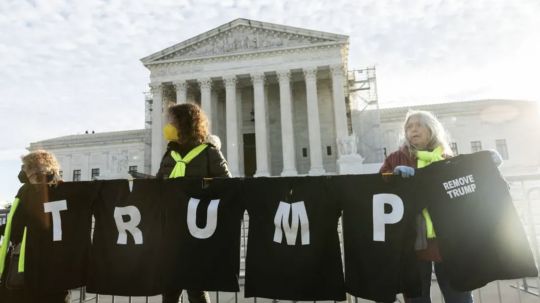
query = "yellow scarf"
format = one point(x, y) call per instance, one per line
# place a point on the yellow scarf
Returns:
point(179, 169)
point(425, 158)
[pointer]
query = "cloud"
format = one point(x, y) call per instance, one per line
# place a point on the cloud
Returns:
point(68, 66)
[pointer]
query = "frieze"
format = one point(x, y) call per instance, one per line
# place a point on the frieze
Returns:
point(244, 39)
point(170, 71)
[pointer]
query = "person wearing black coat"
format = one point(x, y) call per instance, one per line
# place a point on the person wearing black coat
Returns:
point(210, 163)
point(40, 171)
point(190, 146)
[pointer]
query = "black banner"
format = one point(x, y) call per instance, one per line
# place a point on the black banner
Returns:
point(379, 234)
point(181, 234)
point(58, 222)
point(201, 239)
point(293, 244)
point(126, 252)
point(480, 236)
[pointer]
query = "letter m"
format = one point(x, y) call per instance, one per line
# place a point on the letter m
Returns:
point(299, 218)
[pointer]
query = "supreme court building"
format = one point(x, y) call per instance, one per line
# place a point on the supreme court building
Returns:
point(284, 102)
point(275, 95)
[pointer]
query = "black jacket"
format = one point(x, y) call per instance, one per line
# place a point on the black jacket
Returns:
point(209, 163)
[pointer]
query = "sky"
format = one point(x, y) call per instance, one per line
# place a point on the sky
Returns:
point(69, 66)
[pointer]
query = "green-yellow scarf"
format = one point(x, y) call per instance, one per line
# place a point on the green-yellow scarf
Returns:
point(179, 169)
point(425, 158)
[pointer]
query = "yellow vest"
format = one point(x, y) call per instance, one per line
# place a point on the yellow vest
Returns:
point(7, 236)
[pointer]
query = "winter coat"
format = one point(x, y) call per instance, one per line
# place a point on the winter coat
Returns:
point(209, 163)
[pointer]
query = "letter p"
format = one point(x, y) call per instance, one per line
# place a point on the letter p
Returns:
point(380, 219)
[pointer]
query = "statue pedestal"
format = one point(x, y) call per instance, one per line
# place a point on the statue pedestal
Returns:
point(349, 161)
point(350, 164)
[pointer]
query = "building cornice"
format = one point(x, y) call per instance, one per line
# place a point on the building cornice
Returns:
point(243, 55)
point(92, 140)
point(472, 107)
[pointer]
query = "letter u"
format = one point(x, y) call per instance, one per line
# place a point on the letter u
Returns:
point(211, 219)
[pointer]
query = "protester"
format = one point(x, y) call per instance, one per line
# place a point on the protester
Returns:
point(191, 152)
point(188, 137)
point(39, 168)
point(425, 142)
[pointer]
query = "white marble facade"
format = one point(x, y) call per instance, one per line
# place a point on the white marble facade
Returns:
point(276, 95)
point(277, 98)
point(486, 122)
point(108, 155)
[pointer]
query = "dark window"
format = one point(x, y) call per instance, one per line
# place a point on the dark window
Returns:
point(304, 152)
point(132, 168)
point(455, 151)
point(476, 146)
point(329, 150)
point(94, 173)
point(76, 175)
point(502, 148)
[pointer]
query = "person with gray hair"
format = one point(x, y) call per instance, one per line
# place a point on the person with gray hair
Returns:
point(425, 142)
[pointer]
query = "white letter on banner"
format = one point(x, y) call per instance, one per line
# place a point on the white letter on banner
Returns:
point(55, 208)
point(380, 218)
point(299, 215)
point(130, 225)
point(211, 219)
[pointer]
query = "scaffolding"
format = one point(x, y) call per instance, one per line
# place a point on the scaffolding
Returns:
point(365, 114)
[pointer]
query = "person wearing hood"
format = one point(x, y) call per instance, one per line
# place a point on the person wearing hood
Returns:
point(191, 152)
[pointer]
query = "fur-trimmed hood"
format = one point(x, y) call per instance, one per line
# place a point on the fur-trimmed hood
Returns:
point(214, 140)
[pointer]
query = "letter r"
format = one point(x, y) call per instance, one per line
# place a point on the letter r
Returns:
point(130, 225)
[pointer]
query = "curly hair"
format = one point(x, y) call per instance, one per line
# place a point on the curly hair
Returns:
point(190, 121)
point(41, 163)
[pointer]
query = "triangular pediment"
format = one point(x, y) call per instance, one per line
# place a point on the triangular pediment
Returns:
point(244, 36)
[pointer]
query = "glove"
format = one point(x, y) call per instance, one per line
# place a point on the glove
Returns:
point(404, 171)
point(497, 159)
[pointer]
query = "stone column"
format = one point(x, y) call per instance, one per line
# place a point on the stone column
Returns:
point(181, 91)
point(232, 125)
point(261, 127)
point(287, 131)
point(240, 129)
point(314, 125)
point(340, 112)
point(219, 129)
point(157, 126)
point(206, 99)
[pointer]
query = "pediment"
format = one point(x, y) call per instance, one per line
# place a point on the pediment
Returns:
point(243, 36)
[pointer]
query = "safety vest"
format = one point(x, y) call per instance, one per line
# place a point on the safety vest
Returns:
point(5, 241)
point(425, 158)
point(179, 169)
